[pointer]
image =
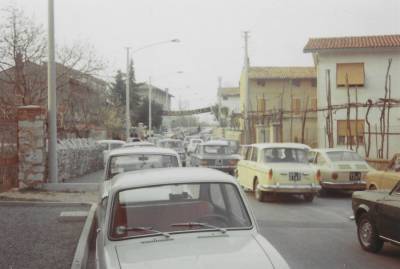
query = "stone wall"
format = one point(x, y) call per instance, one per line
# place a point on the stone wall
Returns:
point(78, 157)
point(31, 146)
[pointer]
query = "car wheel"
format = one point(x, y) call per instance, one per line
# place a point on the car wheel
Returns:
point(322, 192)
point(372, 187)
point(308, 197)
point(257, 192)
point(368, 235)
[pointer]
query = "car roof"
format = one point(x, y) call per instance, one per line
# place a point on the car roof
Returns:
point(332, 150)
point(215, 143)
point(139, 143)
point(141, 150)
point(281, 145)
point(162, 176)
point(169, 139)
point(111, 141)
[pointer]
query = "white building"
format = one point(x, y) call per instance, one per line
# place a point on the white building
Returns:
point(230, 98)
point(364, 60)
point(159, 96)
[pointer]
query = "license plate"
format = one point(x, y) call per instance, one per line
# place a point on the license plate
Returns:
point(294, 176)
point(355, 176)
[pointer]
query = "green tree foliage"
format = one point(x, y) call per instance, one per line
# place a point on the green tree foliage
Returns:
point(118, 92)
point(156, 112)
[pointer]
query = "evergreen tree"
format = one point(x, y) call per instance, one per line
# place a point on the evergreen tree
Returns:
point(118, 92)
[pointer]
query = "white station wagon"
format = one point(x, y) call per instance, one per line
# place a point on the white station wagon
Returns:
point(273, 168)
point(340, 169)
point(180, 218)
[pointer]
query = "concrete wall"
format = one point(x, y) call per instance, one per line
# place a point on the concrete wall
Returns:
point(375, 65)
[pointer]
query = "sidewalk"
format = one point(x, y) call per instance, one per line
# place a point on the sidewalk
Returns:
point(95, 177)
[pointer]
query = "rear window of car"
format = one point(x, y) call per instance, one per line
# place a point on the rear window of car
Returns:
point(171, 144)
point(285, 155)
point(126, 163)
point(344, 156)
point(215, 149)
point(116, 145)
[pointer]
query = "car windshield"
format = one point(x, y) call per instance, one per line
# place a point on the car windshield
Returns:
point(285, 155)
point(216, 149)
point(344, 156)
point(177, 208)
point(171, 144)
point(125, 163)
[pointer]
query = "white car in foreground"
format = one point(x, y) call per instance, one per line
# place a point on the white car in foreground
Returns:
point(180, 218)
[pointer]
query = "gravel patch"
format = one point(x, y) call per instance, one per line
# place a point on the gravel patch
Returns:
point(32, 236)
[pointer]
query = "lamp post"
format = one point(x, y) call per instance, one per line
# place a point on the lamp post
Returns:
point(51, 97)
point(128, 71)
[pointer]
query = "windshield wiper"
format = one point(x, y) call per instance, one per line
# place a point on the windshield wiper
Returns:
point(123, 229)
point(194, 224)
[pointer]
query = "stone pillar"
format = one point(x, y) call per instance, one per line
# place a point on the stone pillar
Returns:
point(31, 146)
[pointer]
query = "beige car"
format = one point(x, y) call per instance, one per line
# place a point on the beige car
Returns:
point(273, 168)
point(340, 169)
point(385, 180)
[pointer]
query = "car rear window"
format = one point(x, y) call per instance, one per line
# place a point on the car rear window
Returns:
point(215, 149)
point(285, 155)
point(126, 163)
point(344, 156)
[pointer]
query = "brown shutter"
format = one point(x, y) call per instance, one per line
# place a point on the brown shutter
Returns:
point(354, 71)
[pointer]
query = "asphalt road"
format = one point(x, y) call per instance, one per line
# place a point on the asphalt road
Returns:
point(318, 234)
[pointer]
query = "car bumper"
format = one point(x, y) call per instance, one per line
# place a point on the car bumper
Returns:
point(345, 186)
point(294, 189)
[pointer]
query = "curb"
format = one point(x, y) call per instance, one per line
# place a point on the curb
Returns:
point(71, 187)
point(82, 249)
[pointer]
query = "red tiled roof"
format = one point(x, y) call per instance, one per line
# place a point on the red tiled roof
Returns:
point(350, 42)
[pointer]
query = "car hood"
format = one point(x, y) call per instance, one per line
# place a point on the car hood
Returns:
point(195, 250)
point(373, 195)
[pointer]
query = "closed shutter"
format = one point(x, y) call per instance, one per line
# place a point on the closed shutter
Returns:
point(296, 105)
point(354, 71)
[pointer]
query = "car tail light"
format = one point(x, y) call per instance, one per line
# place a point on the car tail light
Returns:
point(318, 176)
point(270, 174)
point(335, 176)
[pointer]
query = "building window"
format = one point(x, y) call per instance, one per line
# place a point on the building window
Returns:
point(354, 72)
point(260, 104)
point(296, 82)
point(296, 106)
point(314, 83)
point(344, 137)
point(314, 104)
point(261, 82)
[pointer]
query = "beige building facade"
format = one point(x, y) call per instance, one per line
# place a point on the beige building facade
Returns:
point(278, 97)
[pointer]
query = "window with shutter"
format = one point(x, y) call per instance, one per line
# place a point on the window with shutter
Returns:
point(344, 136)
point(354, 72)
point(296, 105)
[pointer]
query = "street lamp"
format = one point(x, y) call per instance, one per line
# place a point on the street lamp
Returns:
point(128, 71)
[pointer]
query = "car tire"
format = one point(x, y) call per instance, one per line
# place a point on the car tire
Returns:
point(308, 197)
point(322, 192)
point(368, 235)
point(259, 195)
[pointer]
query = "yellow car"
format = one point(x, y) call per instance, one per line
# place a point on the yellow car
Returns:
point(385, 180)
point(273, 168)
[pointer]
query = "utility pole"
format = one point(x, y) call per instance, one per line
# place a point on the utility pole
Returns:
point(51, 97)
point(219, 100)
point(246, 85)
point(127, 95)
point(150, 97)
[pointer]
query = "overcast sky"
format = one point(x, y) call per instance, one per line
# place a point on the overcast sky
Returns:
point(211, 34)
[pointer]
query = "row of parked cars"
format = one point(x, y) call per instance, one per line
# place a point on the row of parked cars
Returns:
point(153, 213)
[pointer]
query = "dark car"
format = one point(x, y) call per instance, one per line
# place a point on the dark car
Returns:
point(377, 215)
point(215, 154)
